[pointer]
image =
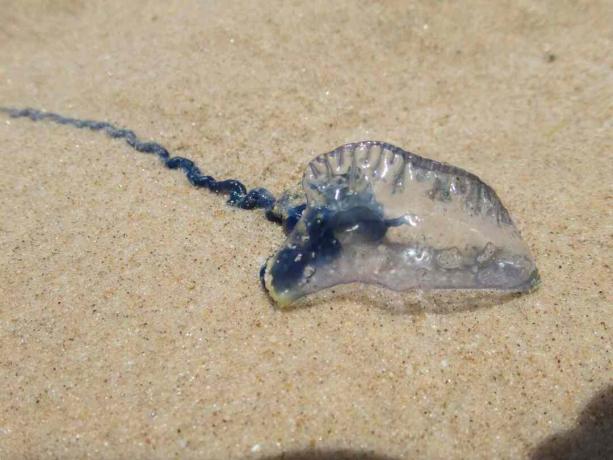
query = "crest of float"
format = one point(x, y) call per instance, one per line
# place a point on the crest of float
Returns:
point(374, 213)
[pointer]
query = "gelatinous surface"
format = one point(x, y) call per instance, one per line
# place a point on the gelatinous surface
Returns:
point(377, 214)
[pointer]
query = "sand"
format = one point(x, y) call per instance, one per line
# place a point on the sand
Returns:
point(132, 321)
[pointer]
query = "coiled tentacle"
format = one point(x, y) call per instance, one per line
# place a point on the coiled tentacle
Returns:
point(236, 191)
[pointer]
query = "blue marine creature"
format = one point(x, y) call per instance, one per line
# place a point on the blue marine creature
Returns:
point(377, 214)
point(369, 212)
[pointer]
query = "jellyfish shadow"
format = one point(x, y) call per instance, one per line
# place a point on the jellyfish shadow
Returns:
point(328, 454)
point(408, 302)
point(591, 438)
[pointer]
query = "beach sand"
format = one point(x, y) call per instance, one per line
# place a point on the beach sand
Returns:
point(132, 320)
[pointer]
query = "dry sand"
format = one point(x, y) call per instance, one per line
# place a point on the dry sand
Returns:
point(132, 322)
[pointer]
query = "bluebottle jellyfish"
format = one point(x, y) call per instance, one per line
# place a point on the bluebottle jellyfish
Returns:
point(369, 212)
